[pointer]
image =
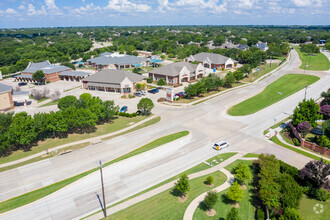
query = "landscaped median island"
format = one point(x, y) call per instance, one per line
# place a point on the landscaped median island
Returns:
point(42, 192)
point(276, 91)
point(313, 61)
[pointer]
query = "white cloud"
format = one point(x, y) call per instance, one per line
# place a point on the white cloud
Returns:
point(193, 5)
point(247, 4)
point(306, 3)
point(52, 8)
point(163, 5)
point(32, 11)
point(11, 11)
point(126, 5)
point(21, 7)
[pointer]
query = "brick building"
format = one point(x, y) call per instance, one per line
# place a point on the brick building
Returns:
point(6, 98)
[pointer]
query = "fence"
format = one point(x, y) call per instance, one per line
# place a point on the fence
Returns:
point(309, 145)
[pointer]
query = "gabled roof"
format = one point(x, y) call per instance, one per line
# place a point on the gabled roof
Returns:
point(212, 57)
point(73, 73)
point(5, 88)
point(174, 69)
point(113, 76)
point(243, 46)
point(46, 67)
point(107, 59)
point(261, 46)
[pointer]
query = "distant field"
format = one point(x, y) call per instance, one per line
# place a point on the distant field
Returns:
point(276, 91)
point(314, 62)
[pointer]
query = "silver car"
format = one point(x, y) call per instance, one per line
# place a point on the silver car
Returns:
point(220, 145)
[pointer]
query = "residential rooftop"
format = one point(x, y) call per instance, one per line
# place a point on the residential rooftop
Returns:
point(46, 67)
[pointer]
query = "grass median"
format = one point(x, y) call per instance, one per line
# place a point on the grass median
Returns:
point(276, 91)
point(316, 61)
point(42, 192)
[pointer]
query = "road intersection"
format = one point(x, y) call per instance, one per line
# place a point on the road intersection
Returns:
point(207, 123)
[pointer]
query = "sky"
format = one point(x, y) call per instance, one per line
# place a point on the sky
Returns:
point(64, 13)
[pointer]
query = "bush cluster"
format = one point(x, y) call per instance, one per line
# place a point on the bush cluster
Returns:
point(125, 114)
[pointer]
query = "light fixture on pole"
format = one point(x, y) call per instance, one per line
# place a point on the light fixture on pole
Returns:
point(104, 204)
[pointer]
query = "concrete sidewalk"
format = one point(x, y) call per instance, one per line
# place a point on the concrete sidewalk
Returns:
point(164, 187)
point(91, 140)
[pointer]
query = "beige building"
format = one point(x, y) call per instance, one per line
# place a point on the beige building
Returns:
point(6, 98)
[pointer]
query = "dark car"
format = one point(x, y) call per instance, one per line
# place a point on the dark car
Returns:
point(139, 94)
point(153, 91)
point(22, 84)
point(123, 109)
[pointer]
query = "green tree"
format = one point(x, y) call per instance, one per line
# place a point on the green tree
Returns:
point(229, 79)
point(235, 192)
point(67, 101)
point(326, 96)
point(22, 131)
point(38, 76)
point(219, 40)
point(145, 105)
point(70, 65)
point(243, 173)
point(182, 185)
point(161, 82)
point(233, 214)
point(307, 110)
point(290, 214)
point(85, 96)
point(291, 191)
point(209, 180)
point(238, 75)
point(136, 70)
point(210, 199)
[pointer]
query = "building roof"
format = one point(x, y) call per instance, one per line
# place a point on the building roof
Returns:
point(107, 58)
point(174, 69)
point(243, 46)
point(113, 76)
point(5, 88)
point(214, 58)
point(111, 85)
point(27, 76)
point(74, 73)
point(46, 67)
point(261, 46)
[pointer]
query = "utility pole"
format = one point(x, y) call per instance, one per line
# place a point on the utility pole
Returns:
point(305, 92)
point(104, 205)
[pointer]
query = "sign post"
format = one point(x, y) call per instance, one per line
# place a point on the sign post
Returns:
point(169, 94)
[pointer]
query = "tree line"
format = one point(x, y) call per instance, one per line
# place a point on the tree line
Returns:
point(22, 131)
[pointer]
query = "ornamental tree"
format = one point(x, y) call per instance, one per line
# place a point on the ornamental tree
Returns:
point(235, 192)
point(38, 76)
point(307, 110)
point(233, 214)
point(316, 172)
point(304, 128)
point(145, 105)
point(325, 110)
point(210, 199)
point(182, 185)
point(243, 173)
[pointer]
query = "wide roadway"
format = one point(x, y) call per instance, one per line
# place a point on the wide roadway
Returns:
point(207, 122)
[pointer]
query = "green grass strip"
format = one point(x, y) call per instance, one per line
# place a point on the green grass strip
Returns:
point(251, 155)
point(278, 142)
point(276, 91)
point(42, 192)
point(317, 61)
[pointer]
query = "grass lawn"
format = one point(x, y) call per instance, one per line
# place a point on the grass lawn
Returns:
point(42, 99)
point(306, 209)
point(315, 62)
point(49, 103)
point(296, 149)
point(251, 155)
point(263, 69)
point(42, 192)
point(118, 124)
point(166, 204)
point(289, 141)
point(276, 91)
point(222, 207)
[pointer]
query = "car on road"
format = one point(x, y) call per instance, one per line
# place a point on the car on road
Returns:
point(139, 94)
point(153, 91)
point(123, 109)
point(22, 84)
point(220, 145)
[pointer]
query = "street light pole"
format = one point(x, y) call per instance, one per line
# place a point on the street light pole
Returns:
point(305, 92)
point(104, 205)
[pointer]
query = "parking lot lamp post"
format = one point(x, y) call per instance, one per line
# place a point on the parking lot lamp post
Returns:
point(104, 205)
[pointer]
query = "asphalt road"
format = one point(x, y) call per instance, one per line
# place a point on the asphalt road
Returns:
point(207, 122)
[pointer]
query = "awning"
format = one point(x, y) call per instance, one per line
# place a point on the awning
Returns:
point(107, 85)
point(26, 76)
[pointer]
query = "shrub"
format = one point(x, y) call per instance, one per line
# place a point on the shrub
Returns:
point(162, 99)
point(47, 81)
point(161, 82)
point(149, 80)
point(134, 114)
point(131, 96)
point(260, 214)
point(223, 68)
point(290, 214)
point(123, 97)
point(182, 185)
point(209, 180)
point(321, 195)
point(233, 214)
point(296, 142)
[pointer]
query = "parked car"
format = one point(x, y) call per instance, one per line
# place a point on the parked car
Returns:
point(139, 94)
point(141, 112)
point(180, 94)
point(143, 93)
point(123, 109)
point(153, 91)
point(220, 145)
point(22, 84)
